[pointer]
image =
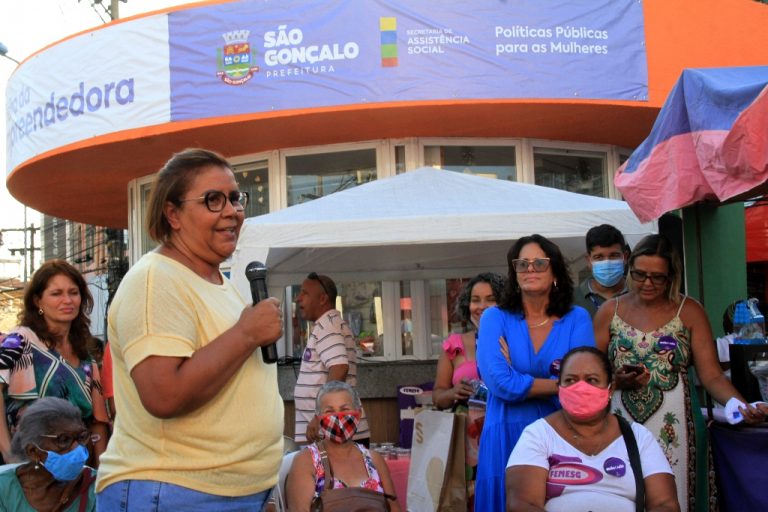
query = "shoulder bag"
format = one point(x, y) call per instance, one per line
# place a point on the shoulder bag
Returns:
point(348, 499)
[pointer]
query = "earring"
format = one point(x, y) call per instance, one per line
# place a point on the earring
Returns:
point(40, 311)
point(555, 283)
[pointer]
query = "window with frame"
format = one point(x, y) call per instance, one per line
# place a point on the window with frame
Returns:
point(399, 159)
point(253, 178)
point(427, 315)
point(319, 174)
point(444, 318)
point(361, 305)
point(577, 171)
point(623, 158)
point(488, 161)
point(147, 244)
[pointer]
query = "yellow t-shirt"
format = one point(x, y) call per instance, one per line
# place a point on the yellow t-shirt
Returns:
point(231, 446)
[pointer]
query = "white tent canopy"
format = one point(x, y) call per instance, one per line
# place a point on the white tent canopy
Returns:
point(421, 224)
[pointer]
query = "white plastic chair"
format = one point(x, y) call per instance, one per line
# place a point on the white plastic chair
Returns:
point(279, 490)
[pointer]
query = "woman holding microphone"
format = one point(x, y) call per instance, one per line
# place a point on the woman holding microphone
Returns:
point(201, 419)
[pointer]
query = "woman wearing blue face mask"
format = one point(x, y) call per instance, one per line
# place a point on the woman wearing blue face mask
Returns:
point(51, 440)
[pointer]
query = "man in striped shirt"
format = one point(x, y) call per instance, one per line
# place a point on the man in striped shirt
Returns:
point(330, 355)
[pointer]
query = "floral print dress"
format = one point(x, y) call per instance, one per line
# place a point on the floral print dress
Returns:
point(668, 405)
point(30, 370)
point(373, 482)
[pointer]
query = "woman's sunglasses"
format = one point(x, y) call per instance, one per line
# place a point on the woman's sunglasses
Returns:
point(538, 264)
point(657, 279)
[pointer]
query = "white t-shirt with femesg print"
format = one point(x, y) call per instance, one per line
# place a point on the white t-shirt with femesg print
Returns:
point(578, 482)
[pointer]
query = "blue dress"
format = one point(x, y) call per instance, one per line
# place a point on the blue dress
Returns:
point(508, 410)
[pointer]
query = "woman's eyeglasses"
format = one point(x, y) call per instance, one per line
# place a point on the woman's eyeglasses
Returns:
point(538, 264)
point(216, 200)
point(64, 441)
point(657, 279)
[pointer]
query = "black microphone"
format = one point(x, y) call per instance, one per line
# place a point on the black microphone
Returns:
point(256, 273)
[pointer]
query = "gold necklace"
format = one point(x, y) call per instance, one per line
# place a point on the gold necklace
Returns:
point(539, 325)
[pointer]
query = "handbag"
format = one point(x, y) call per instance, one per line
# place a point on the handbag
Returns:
point(437, 473)
point(347, 499)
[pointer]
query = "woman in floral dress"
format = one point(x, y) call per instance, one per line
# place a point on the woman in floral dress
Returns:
point(47, 354)
point(654, 337)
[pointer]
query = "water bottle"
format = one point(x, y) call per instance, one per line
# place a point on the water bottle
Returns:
point(758, 321)
point(748, 323)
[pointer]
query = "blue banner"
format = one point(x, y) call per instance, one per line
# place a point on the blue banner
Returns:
point(261, 56)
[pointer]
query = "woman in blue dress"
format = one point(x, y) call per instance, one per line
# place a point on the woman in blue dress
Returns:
point(537, 320)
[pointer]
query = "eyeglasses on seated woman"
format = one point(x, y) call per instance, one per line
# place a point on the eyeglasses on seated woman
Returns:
point(578, 457)
point(53, 443)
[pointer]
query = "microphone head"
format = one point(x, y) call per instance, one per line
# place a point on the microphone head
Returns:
point(255, 270)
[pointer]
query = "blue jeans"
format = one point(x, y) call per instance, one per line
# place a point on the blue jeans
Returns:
point(153, 496)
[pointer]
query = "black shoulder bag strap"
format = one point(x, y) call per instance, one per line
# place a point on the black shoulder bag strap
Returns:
point(634, 461)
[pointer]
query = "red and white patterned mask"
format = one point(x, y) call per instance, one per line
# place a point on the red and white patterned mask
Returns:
point(339, 427)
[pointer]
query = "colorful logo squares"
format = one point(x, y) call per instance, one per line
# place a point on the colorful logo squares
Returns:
point(388, 28)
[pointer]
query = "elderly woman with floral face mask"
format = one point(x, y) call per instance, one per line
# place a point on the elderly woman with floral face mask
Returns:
point(352, 465)
point(52, 441)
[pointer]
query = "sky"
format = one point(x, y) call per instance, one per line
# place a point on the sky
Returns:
point(27, 26)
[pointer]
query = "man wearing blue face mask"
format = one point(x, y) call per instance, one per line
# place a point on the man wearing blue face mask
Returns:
point(607, 254)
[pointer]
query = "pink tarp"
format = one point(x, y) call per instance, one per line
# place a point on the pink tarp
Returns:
point(710, 142)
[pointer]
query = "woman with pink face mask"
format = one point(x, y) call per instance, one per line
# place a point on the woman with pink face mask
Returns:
point(577, 458)
point(338, 409)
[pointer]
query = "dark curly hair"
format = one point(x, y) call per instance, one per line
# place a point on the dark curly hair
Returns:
point(560, 296)
point(496, 282)
point(79, 331)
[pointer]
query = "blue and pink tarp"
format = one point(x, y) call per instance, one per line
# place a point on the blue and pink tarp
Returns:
point(710, 142)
